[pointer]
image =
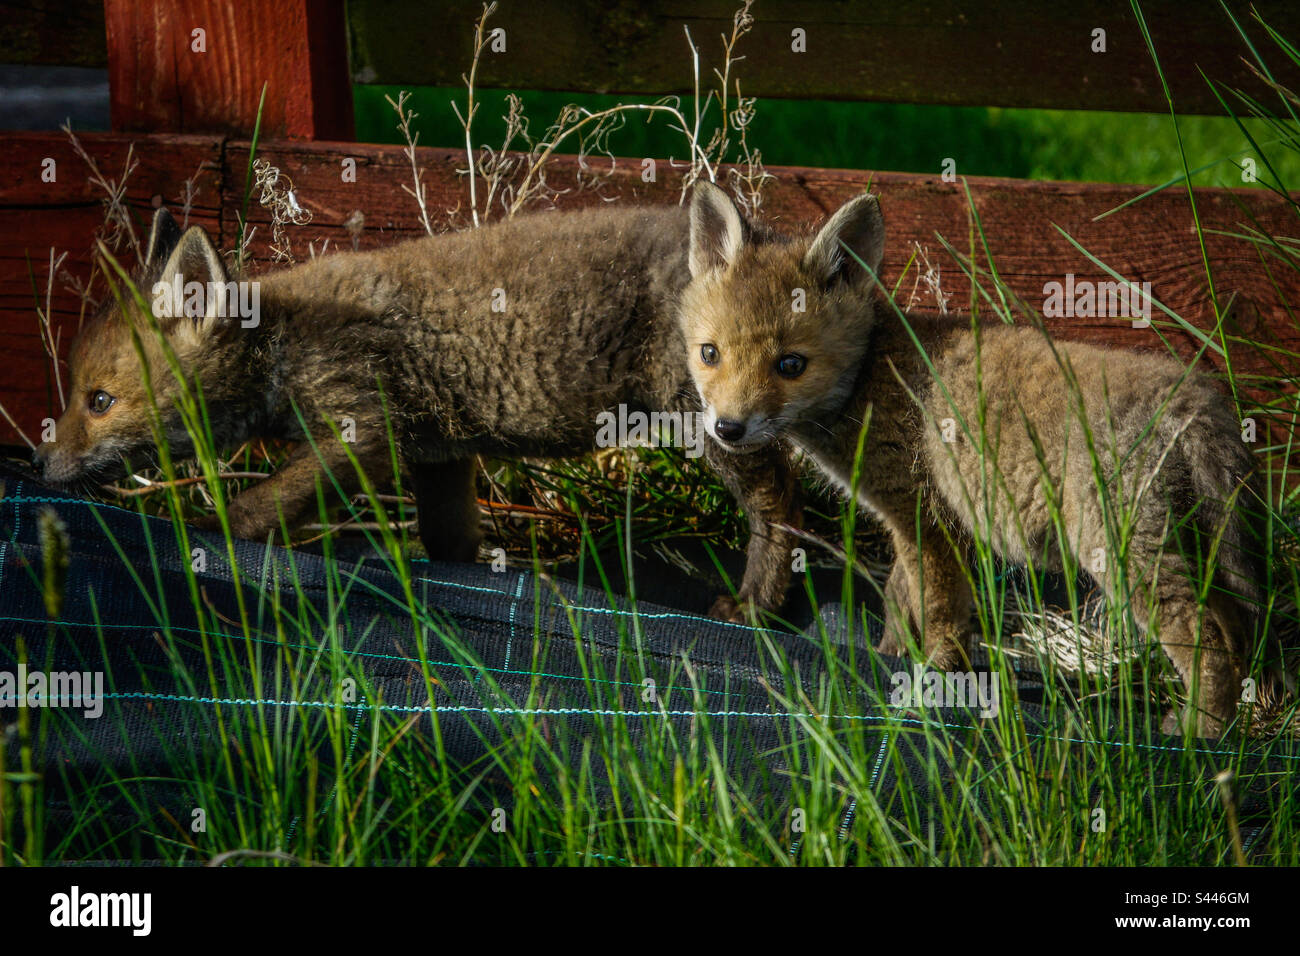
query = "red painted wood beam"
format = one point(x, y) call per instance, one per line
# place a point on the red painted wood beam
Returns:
point(1152, 240)
point(198, 66)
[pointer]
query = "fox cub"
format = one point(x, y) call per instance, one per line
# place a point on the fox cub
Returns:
point(511, 340)
point(1086, 433)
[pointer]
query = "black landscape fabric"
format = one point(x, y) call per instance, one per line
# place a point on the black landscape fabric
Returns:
point(508, 643)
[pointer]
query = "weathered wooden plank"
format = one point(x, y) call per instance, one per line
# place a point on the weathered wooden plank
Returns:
point(37, 216)
point(52, 32)
point(955, 52)
point(198, 66)
point(1150, 241)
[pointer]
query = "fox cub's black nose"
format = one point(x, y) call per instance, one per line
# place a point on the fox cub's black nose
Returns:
point(729, 430)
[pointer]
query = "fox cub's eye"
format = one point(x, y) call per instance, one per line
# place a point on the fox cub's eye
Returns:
point(790, 366)
point(709, 354)
point(100, 402)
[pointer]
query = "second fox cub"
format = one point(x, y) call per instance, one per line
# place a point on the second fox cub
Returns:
point(507, 341)
point(1036, 447)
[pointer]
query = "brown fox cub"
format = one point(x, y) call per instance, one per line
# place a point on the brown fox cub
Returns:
point(511, 340)
point(1175, 479)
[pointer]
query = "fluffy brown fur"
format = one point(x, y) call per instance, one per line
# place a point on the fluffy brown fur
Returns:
point(1167, 446)
point(589, 323)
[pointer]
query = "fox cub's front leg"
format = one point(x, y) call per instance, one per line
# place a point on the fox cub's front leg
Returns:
point(292, 490)
point(765, 485)
point(927, 598)
point(447, 502)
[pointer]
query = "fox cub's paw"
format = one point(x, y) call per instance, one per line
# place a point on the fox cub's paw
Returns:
point(948, 656)
point(1201, 724)
point(240, 526)
point(727, 608)
point(890, 646)
point(205, 523)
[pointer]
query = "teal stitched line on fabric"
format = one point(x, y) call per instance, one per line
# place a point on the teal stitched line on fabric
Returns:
point(19, 497)
point(570, 711)
point(352, 746)
point(395, 657)
point(452, 584)
point(374, 654)
point(674, 615)
point(880, 757)
point(4, 545)
point(514, 603)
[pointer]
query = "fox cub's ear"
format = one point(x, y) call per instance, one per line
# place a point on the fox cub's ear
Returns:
point(194, 259)
point(163, 236)
point(717, 231)
point(858, 225)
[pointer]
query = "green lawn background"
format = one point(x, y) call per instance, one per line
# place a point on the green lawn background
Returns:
point(984, 141)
